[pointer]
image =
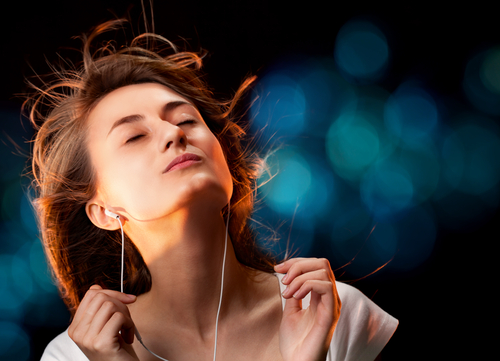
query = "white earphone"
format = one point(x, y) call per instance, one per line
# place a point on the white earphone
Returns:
point(111, 214)
point(137, 334)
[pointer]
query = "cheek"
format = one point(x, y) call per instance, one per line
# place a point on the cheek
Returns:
point(121, 181)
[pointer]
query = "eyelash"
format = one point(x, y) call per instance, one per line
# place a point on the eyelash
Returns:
point(134, 138)
point(188, 121)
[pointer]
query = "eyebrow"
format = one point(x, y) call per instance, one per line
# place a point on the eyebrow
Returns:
point(138, 117)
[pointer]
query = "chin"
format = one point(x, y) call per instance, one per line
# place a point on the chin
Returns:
point(207, 191)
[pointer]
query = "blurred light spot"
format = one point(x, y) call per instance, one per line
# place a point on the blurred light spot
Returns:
point(300, 187)
point(281, 107)
point(10, 201)
point(370, 102)
point(352, 145)
point(490, 70)
point(40, 268)
point(349, 224)
point(482, 81)
point(14, 344)
point(474, 150)
point(361, 51)
point(383, 243)
point(327, 94)
point(292, 179)
point(453, 162)
point(386, 190)
point(27, 215)
point(320, 194)
point(420, 160)
point(281, 236)
point(16, 286)
point(410, 113)
point(13, 236)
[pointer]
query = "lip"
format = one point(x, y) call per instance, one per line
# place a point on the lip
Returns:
point(182, 161)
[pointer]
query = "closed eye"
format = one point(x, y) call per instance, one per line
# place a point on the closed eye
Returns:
point(186, 122)
point(134, 138)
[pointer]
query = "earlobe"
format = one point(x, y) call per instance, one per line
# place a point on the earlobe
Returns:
point(97, 215)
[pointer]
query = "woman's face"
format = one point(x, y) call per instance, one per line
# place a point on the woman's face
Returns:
point(153, 154)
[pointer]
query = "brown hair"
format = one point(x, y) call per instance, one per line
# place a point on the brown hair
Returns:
point(80, 253)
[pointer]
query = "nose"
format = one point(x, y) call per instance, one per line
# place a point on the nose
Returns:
point(171, 136)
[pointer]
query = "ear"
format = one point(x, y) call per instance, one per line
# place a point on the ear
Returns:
point(97, 215)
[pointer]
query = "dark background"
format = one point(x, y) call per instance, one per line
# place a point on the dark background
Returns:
point(445, 306)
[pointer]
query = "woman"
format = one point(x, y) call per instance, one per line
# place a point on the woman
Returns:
point(133, 150)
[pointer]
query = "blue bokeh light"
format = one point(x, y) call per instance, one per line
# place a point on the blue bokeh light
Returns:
point(481, 82)
point(475, 154)
point(361, 51)
point(352, 144)
point(14, 343)
point(349, 223)
point(280, 109)
point(387, 190)
point(27, 215)
point(421, 161)
point(383, 243)
point(16, 286)
point(281, 237)
point(299, 186)
point(290, 182)
point(490, 70)
point(40, 269)
point(327, 93)
point(411, 113)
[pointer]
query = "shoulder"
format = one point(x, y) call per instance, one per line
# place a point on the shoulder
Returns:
point(63, 348)
point(363, 328)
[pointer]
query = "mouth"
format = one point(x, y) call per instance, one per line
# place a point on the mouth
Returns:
point(182, 161)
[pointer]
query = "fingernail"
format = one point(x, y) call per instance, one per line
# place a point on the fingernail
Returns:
point(295, 294)
point(283, 280)
point(131, 297)
point(285, 292)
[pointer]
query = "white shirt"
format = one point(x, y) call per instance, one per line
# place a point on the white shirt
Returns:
point(362, 331)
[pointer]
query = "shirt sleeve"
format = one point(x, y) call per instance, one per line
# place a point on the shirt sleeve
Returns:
point(363, 329)
point(62, 348)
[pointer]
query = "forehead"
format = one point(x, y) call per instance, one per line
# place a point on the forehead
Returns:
point(136, 97)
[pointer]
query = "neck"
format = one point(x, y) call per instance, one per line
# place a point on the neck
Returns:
point(185, 257)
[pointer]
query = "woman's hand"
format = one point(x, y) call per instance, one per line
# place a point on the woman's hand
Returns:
point(102, 327)
point(305, 335)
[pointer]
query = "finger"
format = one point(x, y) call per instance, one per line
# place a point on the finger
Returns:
point(284, 266)
point(322, 288)
point(298, 266)
point(103, 315)
point(297, 282)
point(110, 332)
point(95, 290)
point(88, 307)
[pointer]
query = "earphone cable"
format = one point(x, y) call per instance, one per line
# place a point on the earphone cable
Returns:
point(138, 336)
point(123, 255)
point(222, 280)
